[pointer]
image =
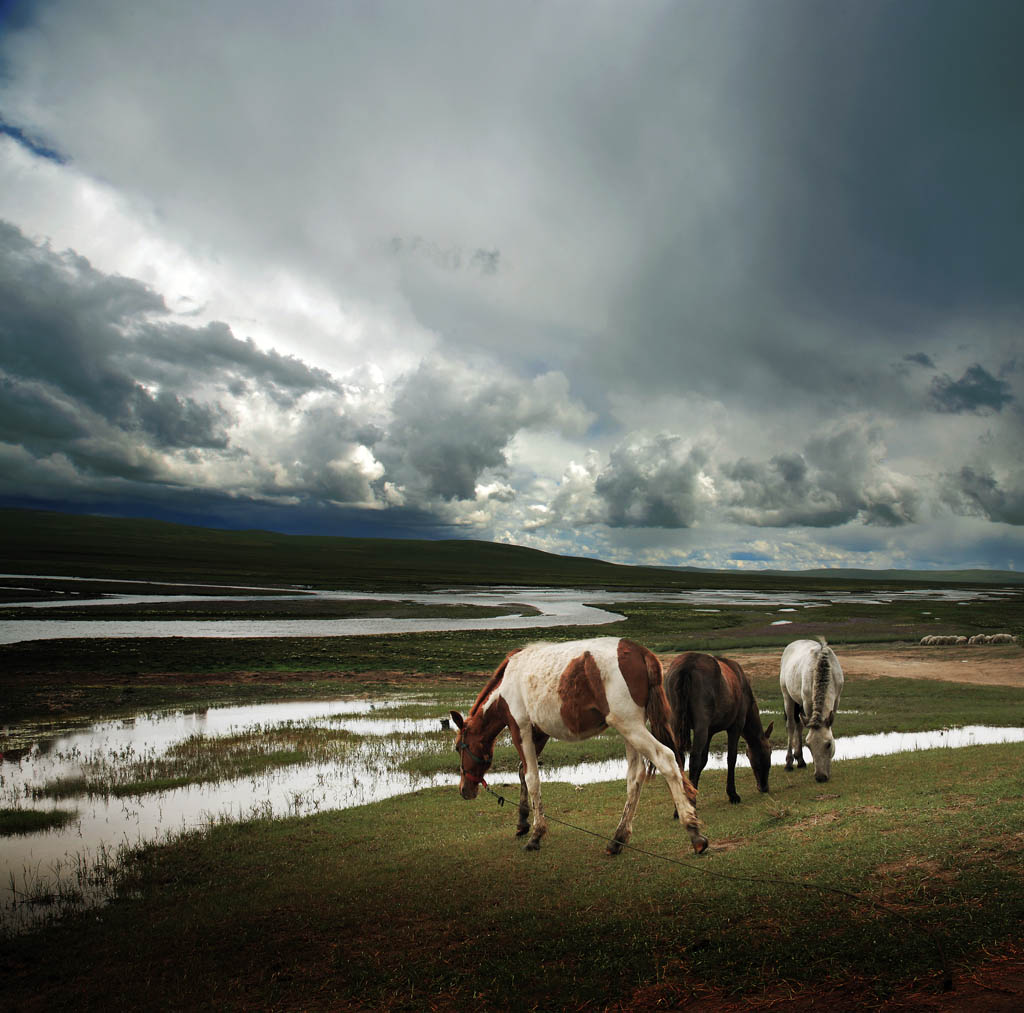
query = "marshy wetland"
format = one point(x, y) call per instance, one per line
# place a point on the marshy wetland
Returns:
point(313, 773)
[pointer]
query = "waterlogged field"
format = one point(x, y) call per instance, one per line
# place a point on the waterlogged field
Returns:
point(280, 828)
point(113, 787)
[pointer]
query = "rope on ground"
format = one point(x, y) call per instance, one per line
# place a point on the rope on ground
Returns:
point(947, 972)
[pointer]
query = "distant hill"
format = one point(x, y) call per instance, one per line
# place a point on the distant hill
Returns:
point(901, 576)
point(45, 542)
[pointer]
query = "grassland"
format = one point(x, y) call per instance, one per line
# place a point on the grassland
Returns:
point(429, 902)
point(851, 894)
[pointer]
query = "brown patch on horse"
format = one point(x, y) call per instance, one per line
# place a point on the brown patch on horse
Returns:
point(584, 704)
point(640, 668)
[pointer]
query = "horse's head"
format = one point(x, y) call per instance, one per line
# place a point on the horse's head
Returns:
point(822, 745)
point(759, 752)
point(474, 757)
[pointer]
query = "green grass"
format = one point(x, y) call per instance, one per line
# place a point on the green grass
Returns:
point(428, 901)
point(32, 821)
point(203, 759)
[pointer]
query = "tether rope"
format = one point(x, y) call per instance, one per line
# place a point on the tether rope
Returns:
point(947, 973)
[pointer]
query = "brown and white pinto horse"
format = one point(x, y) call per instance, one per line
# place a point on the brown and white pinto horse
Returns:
point(573, 691)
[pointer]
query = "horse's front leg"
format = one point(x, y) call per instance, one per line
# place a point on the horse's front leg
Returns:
point(730, 780)
point(530, 780)
point(523, 826)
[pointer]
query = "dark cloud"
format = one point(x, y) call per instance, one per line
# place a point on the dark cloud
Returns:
point(977, 492)
point(82, 352)
point(920, 359)
point(450, 426)
point(178, 354)
point(977, 392)
point(34, 145)
point(652, 483)
point(837, 479)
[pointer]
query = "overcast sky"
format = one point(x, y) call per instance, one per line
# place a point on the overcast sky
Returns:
point(698, 283)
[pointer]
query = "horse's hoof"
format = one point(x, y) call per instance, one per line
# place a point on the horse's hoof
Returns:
point(789, 766)
point(700, 845)
point(801, 764)
point(521, 831)
point(613, 848)
point(734, 799)
point(532, 845)
point(675, 814)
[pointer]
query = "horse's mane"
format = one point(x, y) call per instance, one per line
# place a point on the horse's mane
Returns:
point(492, 684)
point(822, 679)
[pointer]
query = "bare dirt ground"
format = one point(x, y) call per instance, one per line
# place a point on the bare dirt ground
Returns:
point(982, 666)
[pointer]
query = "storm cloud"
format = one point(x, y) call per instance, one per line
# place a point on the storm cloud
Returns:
point(681, 283)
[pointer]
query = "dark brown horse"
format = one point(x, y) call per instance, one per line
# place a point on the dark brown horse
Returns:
point(710, 695)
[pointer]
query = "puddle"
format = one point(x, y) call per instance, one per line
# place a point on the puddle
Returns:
point(369, 772)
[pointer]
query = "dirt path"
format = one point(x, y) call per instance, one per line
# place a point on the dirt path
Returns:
point(982, 666)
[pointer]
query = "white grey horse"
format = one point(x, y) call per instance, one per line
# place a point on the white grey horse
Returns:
point(811, 680)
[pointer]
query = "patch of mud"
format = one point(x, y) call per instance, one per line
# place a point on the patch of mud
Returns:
point(982, 666)
point(817, 820)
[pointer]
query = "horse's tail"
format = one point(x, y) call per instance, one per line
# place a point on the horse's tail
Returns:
point(822, 681)
point(659, 716)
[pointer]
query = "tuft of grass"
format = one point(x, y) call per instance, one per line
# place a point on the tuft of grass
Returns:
point(31, 821)
point(203, 759)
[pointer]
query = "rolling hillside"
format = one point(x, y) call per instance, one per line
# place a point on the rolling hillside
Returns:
point(43, 542)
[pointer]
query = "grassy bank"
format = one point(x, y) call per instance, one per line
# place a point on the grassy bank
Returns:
point(429, 902)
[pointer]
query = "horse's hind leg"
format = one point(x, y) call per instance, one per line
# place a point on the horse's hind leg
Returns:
point(523, 825)
point(795, 745)
point(636, 777)
point(664, 759)
point(699, 754)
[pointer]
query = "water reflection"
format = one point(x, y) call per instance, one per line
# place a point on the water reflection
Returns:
point(370, 771)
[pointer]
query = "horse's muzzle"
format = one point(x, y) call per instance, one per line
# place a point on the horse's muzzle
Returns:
point(468, 790)
point(821, 778)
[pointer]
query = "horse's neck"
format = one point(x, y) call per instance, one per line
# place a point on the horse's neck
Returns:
point(493, 719)
point(752, 728)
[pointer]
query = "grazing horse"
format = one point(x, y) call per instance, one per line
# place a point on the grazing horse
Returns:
point(573, 691)
point(811, 680)
point(709, 695)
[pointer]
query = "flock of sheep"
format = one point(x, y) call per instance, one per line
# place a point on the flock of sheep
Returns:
point(978, 638)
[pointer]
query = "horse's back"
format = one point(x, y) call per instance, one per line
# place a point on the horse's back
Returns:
point(797, 671)
point(707, 690)
point(540, 678)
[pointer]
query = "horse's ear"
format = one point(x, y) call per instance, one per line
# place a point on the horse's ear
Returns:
point(768, 730)
point(457, 718)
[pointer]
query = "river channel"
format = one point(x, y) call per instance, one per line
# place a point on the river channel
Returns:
point(553, 607)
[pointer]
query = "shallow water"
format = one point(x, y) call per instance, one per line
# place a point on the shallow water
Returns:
point(368, 773)
point(557, 607)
